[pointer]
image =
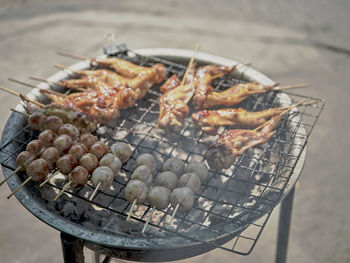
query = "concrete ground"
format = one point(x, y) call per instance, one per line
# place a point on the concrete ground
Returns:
point(290, 41)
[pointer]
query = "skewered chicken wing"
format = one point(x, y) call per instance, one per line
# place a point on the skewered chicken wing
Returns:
point(209, 120)
point(204, 76)
point(235, 95)
point(222, 154)
point(173, 107)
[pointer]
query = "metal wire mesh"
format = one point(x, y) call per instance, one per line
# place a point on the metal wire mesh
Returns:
point(235, 203)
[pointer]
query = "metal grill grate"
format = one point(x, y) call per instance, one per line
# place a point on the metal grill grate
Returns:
point(232, 205)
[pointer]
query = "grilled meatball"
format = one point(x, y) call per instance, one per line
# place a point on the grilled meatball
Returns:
point(148, 160)
point(198, 168)
point(190, 180)
point(51, 155)
point(62, 143)
point(89, 161)
point(121, 150)
point(53, 123)
point(102, 174)
point(78, 176)
point(70, 130)
point(142, 173)
point(99, 149)
point(167, 179)
point(24, 159)
point(88, 139)
point(35, 146)
point(183, 196)
point(66, 163)
point(174, 165)
point(37, 121)
point(159, 196)
point(47, 137)
point(136, 189)
point(38, 170)
point(78, 150)
point(112, 162)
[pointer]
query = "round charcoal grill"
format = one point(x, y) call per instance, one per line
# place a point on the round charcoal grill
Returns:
point(228, 203)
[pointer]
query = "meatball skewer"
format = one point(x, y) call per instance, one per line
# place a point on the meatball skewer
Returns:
point(181, 199)
point(136, 193)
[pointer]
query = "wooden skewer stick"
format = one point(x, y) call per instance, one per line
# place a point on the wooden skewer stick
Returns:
point(12, 174)
point(20, 186)
point(148, 219)
point(55, 83)
point(48, 178)
point(95, 191)
point(32, 86)
point(19, 112)
point(302, 85)
point(174, 213)
point(66, 68)
point(190, 64)
point(131, 210)
point(21, 95)
point(62, 191)
point(71, 55)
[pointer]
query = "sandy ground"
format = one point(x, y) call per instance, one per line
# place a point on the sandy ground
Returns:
point(290, 42)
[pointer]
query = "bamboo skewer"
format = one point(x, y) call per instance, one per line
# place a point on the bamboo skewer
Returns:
point(12, 174)
point(55, 83)
point(32, 86)
point(19, 112)
point(48, 178)
point(21, 95)
point(190, 64)
point(65, 187)
point(20, 186)
point(95, 191)
point(148, 220)
point(174, 213)
point(71, 55)
point(131, 209)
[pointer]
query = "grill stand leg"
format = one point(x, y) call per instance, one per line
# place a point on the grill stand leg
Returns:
point(283, 229)
point(72, 248)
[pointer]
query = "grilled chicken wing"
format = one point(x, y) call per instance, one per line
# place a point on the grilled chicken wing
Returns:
point(204, 76)
point(222, 154)
point(209, 120)
point(235, 95)
point(173, 107)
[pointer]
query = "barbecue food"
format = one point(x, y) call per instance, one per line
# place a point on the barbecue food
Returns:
point(198, 168)
point(209, 120)
point(102, 175)
point(47, 137)
point(36, 121)
point(23, 160)
point(167, 179)
point(234, 95)
point(78, 176)
point(50, 155)
point(146, 159)
point(70, 130)
point(183, 198)
point(136, 190)
point(142, 173)
point(66, 163)
point(121, 150)
point(190, 180)
point(89, 162)
point(37, 170)
point(111, 161)
point(159, 197)
point(87, 139)
point(99, 149)
point(222, 154)
point(204, 76)
point(173, 107)
point(78, 150)
point(53, 123)
point(35, 146)
point(62, 143)
point(174, 165)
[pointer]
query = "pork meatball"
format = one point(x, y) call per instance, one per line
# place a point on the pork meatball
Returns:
point(37, 121)
point(99, 149)
point(70, 130)
point(174, 165)
point(112, 162)
point(24, 159)
point(78, 150)
point(78, 176)
point(167, 179)
point(198, 168)
point(103, 175)
point(53, 123)
point(35, 146)
point(47, 137)
point(142, 173)
point(148, 160)
point(182, 196)
point(62, 143)
point(89, 161)
point(159, 196)
point(88, 139)
point(38, 170)
point(136, 189)
point(51, 155)
point(190, 180)
point(66, 163)
point(121, 150)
